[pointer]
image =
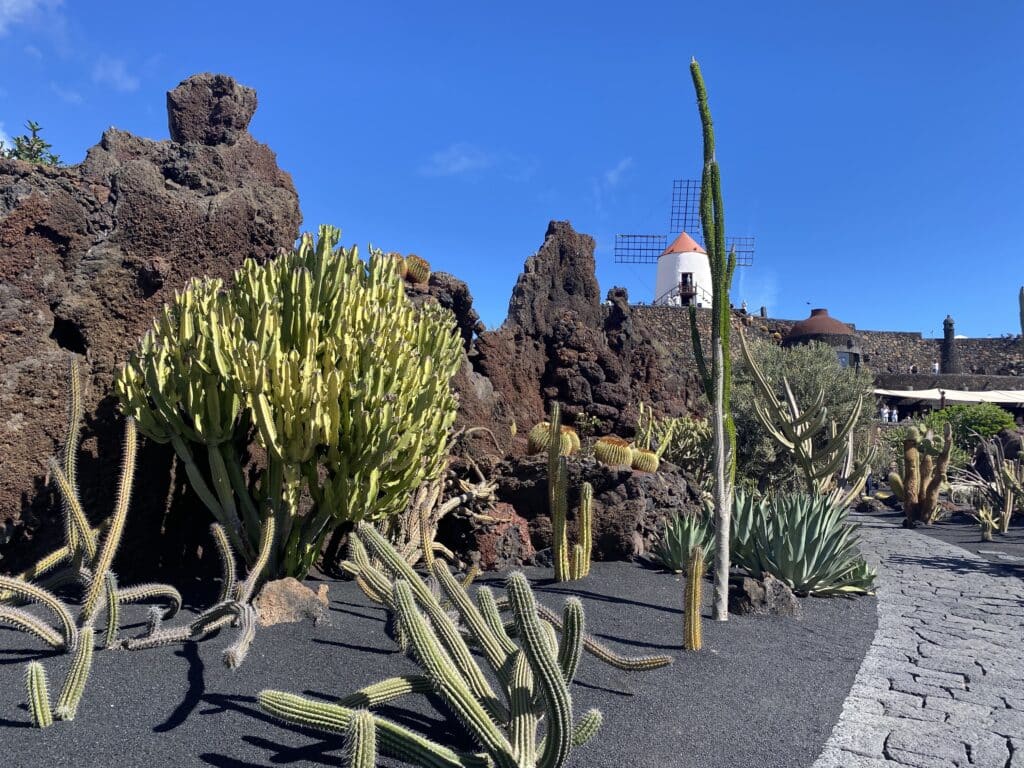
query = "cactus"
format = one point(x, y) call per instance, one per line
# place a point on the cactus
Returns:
point(716, 377)
point(692, 604)
point(645, 461)
point(558, 495)
point(533, 675)
point(32, 625)
point(400, 266)
point(361, 741)
point(38, 695)
point(346, 383)
point(30, 592)
point(539, 438)
point(1020, 301)
point(74, 684)
point(417, 269)
point(613, 451)
point(580, 565)
point(819, 447)
point(925, 461)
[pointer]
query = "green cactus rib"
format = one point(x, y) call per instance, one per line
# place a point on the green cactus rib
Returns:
point(569, 652)
point(76, 409)
point(361, 741)
point(478, 626)
point(586, 531)
point(35, 594)
point(492, 615)
point(78, 675)
point(587, 727)
point(557, 495)
point(393, 739)
point(38, 695)
point(77, 528)
point(235, 653)
point(113, 611)
point(142, 593)
point(447, 631)
point(32, 625)
point(447, 676)
point(598, 650)
point(227, 561)
point(386, 691)
point(523, 717)
point(546, 672)
point(692, 640)
point(112, 539)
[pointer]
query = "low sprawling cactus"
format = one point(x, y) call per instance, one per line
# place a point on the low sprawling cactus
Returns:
point(417, 269)
point(645, 461)
point(344, 383)
point(925, 461)
point(38, 695)
point(234, 608)
point(527, 685)
point(613, 451)
point(693, 600)
point(74, 684)
point(998, 492)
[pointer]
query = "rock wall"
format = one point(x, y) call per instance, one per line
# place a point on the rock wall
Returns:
point(884, 352)
point(89, 253)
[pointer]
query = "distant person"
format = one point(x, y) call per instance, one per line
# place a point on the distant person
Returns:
point(885, 412)
point(935, 367)
point(895, 415)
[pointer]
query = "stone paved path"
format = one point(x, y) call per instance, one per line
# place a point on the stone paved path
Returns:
point(942, 685)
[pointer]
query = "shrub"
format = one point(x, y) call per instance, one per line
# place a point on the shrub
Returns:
point(969, 420)
point(343, 382)
point(810, 369)
point(31, 147)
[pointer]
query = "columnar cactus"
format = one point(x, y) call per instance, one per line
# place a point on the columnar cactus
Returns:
point(38, 695)
point(717, 377)
point(582, 550)
point(1020, 301)
point(530, 665)
point(692, 605)
point(613, 451)
point(558, 496)
point(925, 461)
point(74, 684)
point(361, 741)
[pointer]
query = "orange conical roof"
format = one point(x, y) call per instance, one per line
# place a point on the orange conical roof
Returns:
point(683, 244)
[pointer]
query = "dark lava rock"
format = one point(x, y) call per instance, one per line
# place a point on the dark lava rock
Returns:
point(496, 539)
point(209, 109)
point(629, 507)
point(769, 597)
point(88, 255)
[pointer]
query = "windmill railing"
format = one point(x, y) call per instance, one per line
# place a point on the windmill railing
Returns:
point(686, 294)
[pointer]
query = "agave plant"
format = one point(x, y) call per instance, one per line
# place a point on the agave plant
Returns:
point(805, 541)
point(683, 533)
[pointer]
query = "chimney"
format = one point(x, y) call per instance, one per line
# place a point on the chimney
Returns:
point(950, 354)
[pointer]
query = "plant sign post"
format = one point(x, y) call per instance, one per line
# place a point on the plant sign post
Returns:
point(718, 378)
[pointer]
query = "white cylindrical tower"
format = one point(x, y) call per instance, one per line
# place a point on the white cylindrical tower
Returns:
point(684, 275)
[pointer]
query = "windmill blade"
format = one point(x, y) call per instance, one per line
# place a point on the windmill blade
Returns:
point(744, 247)
point(639, 249)
point(684, 216)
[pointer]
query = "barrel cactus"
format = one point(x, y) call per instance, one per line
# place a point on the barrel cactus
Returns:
point(346, 383)
point(417, 269)
point(614, 451)
point(540, 437)
point(645, 461)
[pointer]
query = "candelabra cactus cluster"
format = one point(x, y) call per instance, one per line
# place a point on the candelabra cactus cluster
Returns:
point(925, 461)
point(822, 450)
point(85, 559)
point(527, 685)
point(345, 382)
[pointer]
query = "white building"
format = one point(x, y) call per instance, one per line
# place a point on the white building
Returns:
point(684, 275)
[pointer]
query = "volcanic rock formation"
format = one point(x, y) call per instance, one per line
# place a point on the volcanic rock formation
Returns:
point(88, 255)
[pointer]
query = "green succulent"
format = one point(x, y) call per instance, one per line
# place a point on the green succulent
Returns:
point(682, 533)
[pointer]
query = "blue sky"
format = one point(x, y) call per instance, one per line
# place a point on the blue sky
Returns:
point(873, 148)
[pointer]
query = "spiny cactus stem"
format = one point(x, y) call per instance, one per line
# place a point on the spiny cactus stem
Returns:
point(227, 561)
point(35, 594)
point(26, 622)
point(692, 640)
point(361, 741)
point(387, 691)
point(78, 675)
point(235, 653)
point(113, 611)
point(38, 695)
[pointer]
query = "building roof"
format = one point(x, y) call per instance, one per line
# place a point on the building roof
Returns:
point(819, 324)
point(683, 244)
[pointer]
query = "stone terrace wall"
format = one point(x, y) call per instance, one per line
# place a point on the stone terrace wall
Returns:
point(885, 352)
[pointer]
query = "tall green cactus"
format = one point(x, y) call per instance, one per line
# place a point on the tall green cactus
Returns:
point(925, 462)
point(532, 672)
point(558, 496)
point(581, 551)
point(1020, 302)
point(717, 377)
point(692, 602)
point(346, 383)
point(361, 741)
point(78, 674)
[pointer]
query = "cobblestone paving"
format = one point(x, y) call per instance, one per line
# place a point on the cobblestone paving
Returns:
point(942, 685)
